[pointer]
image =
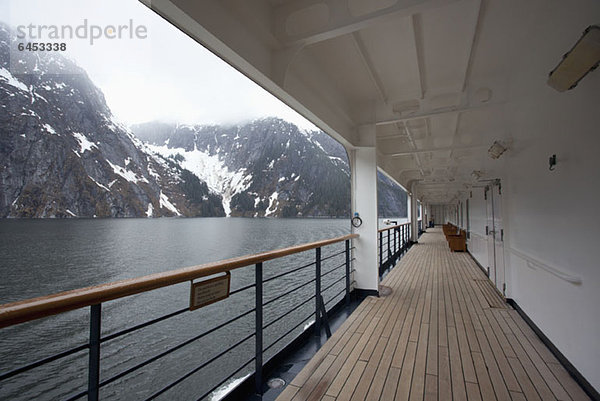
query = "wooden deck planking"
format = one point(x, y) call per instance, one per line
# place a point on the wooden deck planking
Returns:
point(444, 333)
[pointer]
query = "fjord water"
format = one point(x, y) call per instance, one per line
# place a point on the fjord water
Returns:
point(41, 257)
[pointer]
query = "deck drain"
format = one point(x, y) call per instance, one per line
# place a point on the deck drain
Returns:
point(276, 382)
point(384, 291)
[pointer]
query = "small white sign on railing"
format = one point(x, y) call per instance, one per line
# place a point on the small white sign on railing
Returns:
point(209, 291)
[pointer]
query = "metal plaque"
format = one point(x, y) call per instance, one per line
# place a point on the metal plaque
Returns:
point(209, 291)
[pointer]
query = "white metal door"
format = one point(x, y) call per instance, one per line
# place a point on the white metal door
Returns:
point(489, 231)
point(498, 237)
point(495, 236)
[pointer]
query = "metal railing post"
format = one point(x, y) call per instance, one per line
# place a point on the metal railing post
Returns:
point(395, 242)
point(388, 241)
point(347, 273)
point(318, 292)
point(401, 234)
point(402, 237)
point(380, 249)
point(258, 365)
point(94, 353)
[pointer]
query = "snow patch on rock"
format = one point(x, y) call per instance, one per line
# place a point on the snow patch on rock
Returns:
point(127, 174)
point(97, 183)
point(166, 203)
point(84, 143)
point(272, 204)
point(211, 170)
point(12, 81)
point(49, 129)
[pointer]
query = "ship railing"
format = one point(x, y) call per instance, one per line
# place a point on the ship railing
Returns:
point(94, 297)
point(392, 242)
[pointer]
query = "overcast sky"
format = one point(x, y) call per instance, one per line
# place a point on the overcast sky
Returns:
point(166, 76)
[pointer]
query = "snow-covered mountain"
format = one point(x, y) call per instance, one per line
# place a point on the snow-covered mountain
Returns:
point(63, 154)
point(266, 167)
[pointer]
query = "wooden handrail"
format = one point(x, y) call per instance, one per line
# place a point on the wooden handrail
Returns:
point(35, 308)
point(391, 227)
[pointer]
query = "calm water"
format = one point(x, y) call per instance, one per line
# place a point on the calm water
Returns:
point(40, 257)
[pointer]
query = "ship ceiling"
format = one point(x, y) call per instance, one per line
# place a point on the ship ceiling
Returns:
point(408, 72)
point(433, 76)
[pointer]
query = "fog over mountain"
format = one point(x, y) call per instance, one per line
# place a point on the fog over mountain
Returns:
point(63, 154)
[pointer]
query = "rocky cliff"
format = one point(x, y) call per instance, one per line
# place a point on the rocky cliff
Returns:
point(62, 154)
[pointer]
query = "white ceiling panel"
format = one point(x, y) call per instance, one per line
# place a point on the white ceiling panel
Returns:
point(341, 61)
point(392, 49)
point(447, 45)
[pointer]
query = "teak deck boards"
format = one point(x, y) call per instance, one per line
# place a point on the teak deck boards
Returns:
point(443, 333)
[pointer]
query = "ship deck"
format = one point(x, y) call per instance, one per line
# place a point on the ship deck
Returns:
point(442, 332)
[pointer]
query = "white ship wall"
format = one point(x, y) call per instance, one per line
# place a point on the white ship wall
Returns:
point(552, 217)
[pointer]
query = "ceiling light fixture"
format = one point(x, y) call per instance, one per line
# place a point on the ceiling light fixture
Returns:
point(496, 150)
point(477, 174)
point(583, 57)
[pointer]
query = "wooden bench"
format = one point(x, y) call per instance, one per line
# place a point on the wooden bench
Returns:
point(457, 242)
point(449, 229)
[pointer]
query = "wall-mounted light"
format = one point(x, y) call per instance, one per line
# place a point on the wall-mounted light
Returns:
point(552, 162)
point(496, 150)
point(583, 57)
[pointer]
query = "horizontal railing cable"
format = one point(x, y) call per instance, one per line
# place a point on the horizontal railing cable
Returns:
point(303, 320)
point(77, 396)
point(288, 272)
point(334, 269)
point(270, 301)
point(335, 296)
point(142, 325)
point(44, 361)
point(242, 289)
point(334, 283)
point(173, 349)
point(288, 332)
point(288, 312)
point(196, 369)
point(333, 256)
